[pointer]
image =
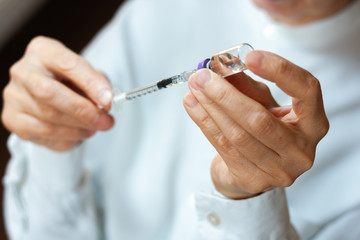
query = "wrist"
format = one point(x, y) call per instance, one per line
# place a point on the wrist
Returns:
point(238, 195)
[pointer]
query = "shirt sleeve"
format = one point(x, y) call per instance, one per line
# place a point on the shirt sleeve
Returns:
point(345, 226)
point(262, 217)
point(47, 194)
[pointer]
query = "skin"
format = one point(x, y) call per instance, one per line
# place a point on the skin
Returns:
point(260, 144)
point(296, 12)
point(43, 84)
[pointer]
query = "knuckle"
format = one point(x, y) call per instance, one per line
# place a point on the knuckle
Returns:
point(205, 120)
point(7, 93)
point(285, 179)
point(306, 164)
point(239, 137)
point(46, 130)
point(83, 112)
point(324, 128)
point(50, 113)
point(43, 89)
point(224, 143)
point(302, 153)
point(14, 70)
point(262, 123)
point(304, 160)
point(68, 61)
point(17, 71)
point(313, 86)
point(91, 82)
point(283, 67)
point(222, 95)
point(37, 43)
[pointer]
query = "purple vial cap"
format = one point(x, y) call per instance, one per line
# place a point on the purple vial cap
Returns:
point(203, 64)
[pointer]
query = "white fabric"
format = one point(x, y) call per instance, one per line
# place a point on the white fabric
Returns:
point(148, 178)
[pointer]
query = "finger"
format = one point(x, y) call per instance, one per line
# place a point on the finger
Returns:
point(293, 80)
point(253, 89)
point(281, 112)
point(23, 102)
point(252, 149)
point(246, 112)
point(284, 139)
point(233, 158)
point(55, 94)
point(239, 172)
point(50, 114)
point(258, 91)
point(35, 128)
point(223, 63)
point(67, 64)
point(47, 113)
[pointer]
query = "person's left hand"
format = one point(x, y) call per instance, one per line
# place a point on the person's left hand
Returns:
point(260, 145)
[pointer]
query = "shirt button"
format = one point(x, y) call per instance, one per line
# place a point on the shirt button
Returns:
point(214, 219)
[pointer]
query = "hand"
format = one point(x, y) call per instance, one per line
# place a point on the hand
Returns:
point(260, 145)
point(52, 97)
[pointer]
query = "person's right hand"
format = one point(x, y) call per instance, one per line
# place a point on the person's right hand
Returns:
point(54, 95)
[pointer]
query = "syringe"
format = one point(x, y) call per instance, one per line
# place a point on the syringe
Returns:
point(225, 63)
point(119, 97)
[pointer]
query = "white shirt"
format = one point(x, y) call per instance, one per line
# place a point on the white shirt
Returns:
point(149, 177)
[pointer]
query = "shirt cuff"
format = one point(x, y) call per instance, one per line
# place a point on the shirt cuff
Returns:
point(262, 217)
point(57, 172)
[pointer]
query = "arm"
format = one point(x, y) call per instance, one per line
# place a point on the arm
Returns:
point(48, 193)
point(65, 181)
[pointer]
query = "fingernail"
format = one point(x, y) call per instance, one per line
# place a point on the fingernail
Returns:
point(200, 79)
point(105, 97)
point(254, 59)
point(190, 101)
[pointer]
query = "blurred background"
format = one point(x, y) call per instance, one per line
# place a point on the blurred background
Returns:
point(74, 22)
